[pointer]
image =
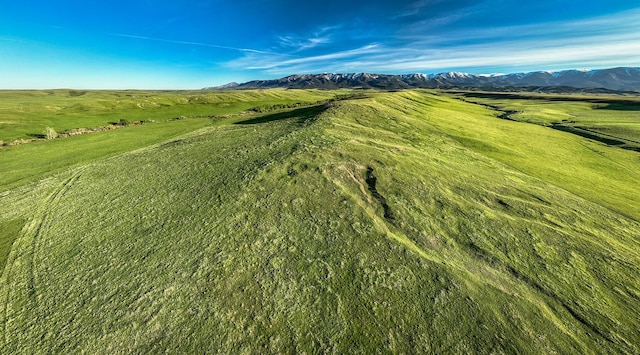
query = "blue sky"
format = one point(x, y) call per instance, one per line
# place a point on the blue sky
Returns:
point(189, 44)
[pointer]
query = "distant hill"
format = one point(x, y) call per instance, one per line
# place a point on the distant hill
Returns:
point(618, 79)
point(230, 85)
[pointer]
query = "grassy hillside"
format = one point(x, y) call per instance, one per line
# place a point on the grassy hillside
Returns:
point(401, 222)
point(589, 168)
point(613, 120)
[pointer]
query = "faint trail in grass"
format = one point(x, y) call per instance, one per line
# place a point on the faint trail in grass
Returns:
point(607, 135)
point(579, 131)
point(33, 230)
point(40, 220)
point(622, 166)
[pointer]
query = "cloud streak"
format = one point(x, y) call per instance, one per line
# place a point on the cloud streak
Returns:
point(626, 53)
point(244, 50)
point(262, 63)
point(605, 41)
point(302, 44)
point(10, 39)
point(321, 37)
point(515, 55)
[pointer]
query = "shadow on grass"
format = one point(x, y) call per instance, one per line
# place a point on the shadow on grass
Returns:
point(588, 134)
point(635, 106)
point(607, 139)
point(302, 114)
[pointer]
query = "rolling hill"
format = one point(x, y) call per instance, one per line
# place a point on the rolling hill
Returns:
point(414, 221)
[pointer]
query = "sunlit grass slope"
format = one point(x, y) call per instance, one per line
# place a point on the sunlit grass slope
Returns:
point(25, 114)
point(30, 162)
point(403, 222)
point(613, 119)
point(604, 174)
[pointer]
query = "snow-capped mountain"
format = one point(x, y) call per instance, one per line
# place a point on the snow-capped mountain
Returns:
point(620, 79)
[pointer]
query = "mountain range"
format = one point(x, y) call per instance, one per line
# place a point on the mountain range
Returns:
point(618, 79)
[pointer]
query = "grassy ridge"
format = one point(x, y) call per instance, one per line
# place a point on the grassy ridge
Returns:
point(375, 224)
point(28, 111)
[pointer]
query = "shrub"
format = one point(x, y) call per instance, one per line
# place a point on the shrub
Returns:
point(50, 133)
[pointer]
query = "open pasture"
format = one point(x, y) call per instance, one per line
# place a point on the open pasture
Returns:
point(403, 221)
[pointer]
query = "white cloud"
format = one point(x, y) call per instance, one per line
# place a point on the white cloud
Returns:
point(301, 44)
point(627, 53)
point(11, 39)
point(612, 40)
point(323, 35)
point(621, 23)
point(515, 55)
point(415, 8)
point(254, 62)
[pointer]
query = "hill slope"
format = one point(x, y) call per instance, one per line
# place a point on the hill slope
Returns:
point(383, 223)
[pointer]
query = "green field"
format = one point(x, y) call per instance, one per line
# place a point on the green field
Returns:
point(405, 222)
point(25, 114)
point(611, 119)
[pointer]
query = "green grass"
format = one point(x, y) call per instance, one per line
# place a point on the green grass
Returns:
point(27, 114)
point(585, 167)
point(401, 222)
point(24, 114)
point(33, 161)
point(607, 118)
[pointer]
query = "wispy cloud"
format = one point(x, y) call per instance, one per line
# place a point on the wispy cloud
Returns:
point(515, 55)
point(414, 8)
point(244, 50)
point(428, 14)
point(10, 39)
point(623, 23)
point(300, 43)
point(606, 41)
point(269, 63)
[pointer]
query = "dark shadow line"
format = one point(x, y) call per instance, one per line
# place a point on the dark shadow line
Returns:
point(302, 114)
point(371, 182)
